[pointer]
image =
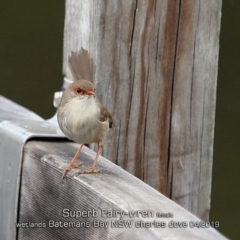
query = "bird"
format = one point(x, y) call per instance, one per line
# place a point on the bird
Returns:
point(81, 117)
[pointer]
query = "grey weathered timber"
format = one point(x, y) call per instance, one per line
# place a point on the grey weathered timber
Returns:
point(44, 195)
point(9, 167)
point(156, 73)
point(17, 126)
point(193, 105)
point(10, 110)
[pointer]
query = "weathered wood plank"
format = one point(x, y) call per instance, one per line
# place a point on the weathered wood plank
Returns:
point(134, 76)
point(43, 197)
point(10, 110)
point(193, 106)
point(156, 73)
point(10, 162)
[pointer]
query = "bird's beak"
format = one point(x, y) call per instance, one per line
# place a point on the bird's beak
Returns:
point(90, 92)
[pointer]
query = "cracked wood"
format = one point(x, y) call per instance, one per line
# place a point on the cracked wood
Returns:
point(156, 73)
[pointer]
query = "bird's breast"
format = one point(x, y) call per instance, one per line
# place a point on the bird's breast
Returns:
point(79, 121)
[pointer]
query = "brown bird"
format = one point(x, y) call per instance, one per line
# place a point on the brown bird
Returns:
point(81, 117)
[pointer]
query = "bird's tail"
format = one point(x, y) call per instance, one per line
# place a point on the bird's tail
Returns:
point(82, 65)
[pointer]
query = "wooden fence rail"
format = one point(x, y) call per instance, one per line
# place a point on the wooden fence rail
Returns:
point(110, 205)
point(156, 73)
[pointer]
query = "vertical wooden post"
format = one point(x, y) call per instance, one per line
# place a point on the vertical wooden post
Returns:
point(156, 73)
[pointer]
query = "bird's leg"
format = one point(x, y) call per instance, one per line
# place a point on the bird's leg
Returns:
point(72, 163)
point(93, 169)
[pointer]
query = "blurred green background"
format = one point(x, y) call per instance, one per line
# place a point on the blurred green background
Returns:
point(31, 42)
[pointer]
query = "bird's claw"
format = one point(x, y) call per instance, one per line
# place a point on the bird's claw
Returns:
point(90, 171)
point(71, 166)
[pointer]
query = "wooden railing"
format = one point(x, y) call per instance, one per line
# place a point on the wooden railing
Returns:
point(111, 205)
point(156, 73)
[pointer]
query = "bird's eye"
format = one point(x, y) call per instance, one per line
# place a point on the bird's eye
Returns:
point(79, 90)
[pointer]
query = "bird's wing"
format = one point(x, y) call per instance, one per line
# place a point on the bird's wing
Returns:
point(82, 65)
point(105, 115)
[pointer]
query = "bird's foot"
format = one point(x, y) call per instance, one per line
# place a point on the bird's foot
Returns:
point(70, 167)
point(90, 171)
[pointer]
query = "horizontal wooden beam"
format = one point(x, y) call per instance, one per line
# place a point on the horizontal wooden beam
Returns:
point(110, 205)
point(10, 110)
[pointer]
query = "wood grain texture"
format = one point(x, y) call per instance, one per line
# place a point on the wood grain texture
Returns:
point(156, 74)
point(43, 197)
point(193, 106)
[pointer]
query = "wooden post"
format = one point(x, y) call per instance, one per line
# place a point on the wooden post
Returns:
point(156, 73)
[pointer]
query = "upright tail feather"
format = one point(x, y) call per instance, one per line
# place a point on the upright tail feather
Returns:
point(82, 65)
